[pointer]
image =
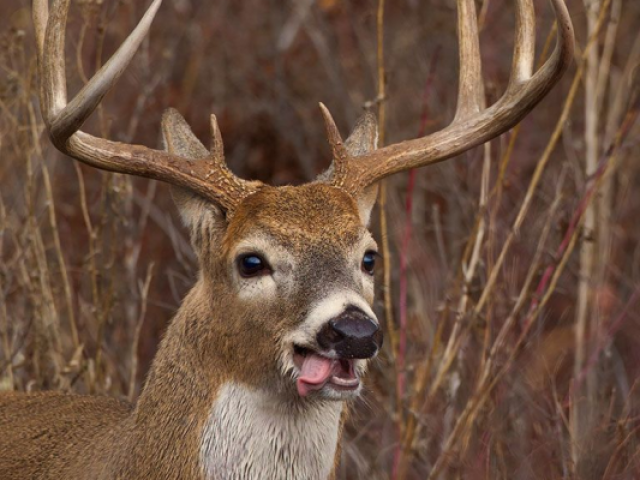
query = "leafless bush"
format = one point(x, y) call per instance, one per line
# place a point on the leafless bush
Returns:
point(515, 271)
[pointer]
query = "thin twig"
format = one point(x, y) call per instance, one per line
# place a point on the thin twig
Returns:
point(144, 295)
point(382, 196)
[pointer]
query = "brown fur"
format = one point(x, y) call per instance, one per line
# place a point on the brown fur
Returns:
point(214, 338)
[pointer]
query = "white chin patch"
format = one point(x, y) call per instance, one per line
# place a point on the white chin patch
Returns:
point(330, 393)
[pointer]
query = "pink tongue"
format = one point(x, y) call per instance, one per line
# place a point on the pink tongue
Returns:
point(314, 374)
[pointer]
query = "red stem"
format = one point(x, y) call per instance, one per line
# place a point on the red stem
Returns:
point(406, 238)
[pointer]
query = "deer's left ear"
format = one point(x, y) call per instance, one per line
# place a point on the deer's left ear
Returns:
point(364, 139)
point(198, 214)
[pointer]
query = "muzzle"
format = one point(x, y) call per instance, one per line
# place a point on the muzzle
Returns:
point(352, 334)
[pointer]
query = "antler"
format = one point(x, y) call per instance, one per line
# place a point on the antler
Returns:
point(472, 124)
point(208, 177)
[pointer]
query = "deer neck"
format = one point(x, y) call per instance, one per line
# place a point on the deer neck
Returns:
point(251, 434)
point(217, 422)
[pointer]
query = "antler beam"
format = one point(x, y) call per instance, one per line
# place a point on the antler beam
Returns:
point(208, 177)
point(472, 124)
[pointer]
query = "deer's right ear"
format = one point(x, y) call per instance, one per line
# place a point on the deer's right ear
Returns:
point(363, 140)
point(197, 213)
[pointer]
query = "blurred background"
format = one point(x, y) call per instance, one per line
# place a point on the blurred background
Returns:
point(513, 299)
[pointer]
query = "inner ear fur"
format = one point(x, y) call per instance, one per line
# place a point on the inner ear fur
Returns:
point(202, 217)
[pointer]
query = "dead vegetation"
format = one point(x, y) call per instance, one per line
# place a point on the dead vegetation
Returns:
point(514, 271)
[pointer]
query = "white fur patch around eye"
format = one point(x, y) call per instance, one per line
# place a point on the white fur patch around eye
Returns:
point(366, 244)
point(257, 288)
point(262, 287)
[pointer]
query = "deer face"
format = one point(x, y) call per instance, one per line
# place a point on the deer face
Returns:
point(307, 248)
point(295, 266)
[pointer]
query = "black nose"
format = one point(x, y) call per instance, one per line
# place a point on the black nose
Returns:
point(352, 334)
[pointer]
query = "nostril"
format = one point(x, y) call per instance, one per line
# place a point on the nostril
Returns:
point(329, 335)
point(356, 328)
point(351, 335)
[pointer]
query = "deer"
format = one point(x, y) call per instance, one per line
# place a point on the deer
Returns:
point(257, 371)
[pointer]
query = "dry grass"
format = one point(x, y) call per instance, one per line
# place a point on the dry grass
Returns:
point(519, 290)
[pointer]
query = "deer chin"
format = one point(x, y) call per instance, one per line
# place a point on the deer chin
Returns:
point(326, 376)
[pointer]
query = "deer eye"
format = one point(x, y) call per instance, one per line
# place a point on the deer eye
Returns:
point(252, 265)
point(369, 262)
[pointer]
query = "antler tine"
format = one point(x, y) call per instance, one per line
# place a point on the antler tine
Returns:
point(210, 179)
point(471, 129)
point(471, 88)
point(40, 11)
point(71, 118)
point(338, 168)
point(50, 48)
point(217, 146)
point(65, 119)
point(525, 43)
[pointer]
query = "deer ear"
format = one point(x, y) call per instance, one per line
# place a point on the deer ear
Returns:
point(364, 139)
point(198, 214)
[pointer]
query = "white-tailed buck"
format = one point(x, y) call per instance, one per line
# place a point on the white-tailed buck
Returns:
point(252, 378)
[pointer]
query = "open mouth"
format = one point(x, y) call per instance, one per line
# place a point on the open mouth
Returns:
point(318, 372)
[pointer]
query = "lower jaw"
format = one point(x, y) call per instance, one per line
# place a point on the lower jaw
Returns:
point(336, 392)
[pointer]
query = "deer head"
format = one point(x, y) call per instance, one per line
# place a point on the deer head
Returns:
point(292, 265)
point(299, 292)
